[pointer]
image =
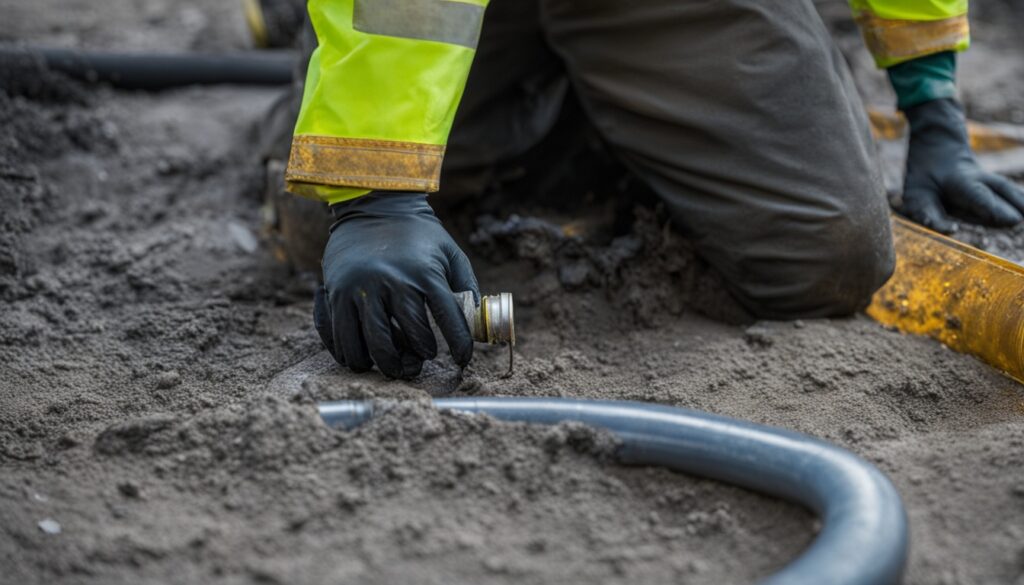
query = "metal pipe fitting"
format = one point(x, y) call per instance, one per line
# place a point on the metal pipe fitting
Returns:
point(492, 321)
point(864, 535)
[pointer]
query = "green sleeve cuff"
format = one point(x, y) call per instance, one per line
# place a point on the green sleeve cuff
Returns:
point(924, 79)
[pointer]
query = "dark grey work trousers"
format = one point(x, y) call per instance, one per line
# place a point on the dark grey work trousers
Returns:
point(740, 114)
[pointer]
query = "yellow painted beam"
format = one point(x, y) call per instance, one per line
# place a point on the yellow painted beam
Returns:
point(891, 125)
point(969, 300)
point(257, 24)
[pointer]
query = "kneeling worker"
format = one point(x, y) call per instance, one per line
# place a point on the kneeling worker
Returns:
point(740, 115)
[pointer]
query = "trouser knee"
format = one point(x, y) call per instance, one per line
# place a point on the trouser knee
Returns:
point(829, 277)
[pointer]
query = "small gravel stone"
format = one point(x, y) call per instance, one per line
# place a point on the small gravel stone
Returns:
point(49, 526)
point(168, 380)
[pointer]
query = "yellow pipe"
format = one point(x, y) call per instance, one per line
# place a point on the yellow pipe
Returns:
point(891, 125)
point(257, 24)
point(969, 300)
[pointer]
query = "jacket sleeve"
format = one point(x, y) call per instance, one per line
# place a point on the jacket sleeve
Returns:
point(381, 93)
point(900, 30)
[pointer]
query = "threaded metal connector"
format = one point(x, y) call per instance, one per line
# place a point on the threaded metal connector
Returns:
point(492, 321)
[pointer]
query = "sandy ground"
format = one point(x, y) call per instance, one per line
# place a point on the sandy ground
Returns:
point(158, 371)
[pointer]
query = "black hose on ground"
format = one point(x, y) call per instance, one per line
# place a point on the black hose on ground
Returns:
point(154, 71)
point(864, 536)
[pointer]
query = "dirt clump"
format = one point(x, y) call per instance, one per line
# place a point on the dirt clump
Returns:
point(649, 272)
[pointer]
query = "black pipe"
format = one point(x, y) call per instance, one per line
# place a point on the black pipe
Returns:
point(863, 539)
point(154, 71)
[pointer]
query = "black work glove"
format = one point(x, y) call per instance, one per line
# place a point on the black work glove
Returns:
point(387, 260)
point(943, 175)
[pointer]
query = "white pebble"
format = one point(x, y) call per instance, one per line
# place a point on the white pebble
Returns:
point(49, 526)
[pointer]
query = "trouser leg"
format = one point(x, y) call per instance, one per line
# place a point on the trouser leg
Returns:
point(297, 228)
point(514, 94)
point(741, 115)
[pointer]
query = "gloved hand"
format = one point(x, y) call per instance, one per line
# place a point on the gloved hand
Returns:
point(943, 175)
point(387, 260)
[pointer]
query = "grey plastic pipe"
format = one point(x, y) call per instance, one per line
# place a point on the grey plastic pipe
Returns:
point(863, 539)
point(155, 71)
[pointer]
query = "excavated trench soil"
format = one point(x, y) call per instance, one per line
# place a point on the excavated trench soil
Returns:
point(158, 371)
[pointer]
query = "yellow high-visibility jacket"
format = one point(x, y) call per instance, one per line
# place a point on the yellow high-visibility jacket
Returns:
point(383, 85)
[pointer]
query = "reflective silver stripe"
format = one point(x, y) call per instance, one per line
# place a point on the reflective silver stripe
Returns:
point(444, 21)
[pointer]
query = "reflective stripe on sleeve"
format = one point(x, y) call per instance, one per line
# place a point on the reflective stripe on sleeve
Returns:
point(366, 163)
point(444, 21)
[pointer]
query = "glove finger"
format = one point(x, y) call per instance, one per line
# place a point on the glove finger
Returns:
point(410, 312)
point(924, 207)
point(412, 364)
point(460, 273)
point(1007, 189)
point(377, 333)
point(322, 322)
point(348, 334)
point(452, 323)
point(979, 200)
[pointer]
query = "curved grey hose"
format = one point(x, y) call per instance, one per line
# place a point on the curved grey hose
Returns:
point(863, 540)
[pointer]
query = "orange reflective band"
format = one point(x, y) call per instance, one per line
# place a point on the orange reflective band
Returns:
point(905, 39)
point(366, 163)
